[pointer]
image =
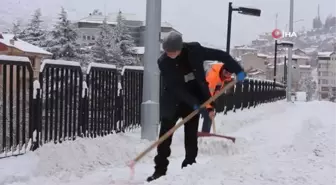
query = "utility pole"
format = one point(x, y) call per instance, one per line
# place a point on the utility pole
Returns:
point(150, 111)
point(290, 52)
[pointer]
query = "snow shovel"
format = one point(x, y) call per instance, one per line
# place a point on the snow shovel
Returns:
point(172, 130)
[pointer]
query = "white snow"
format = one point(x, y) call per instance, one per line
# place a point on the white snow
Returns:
point(14, 58)
point(139, 50)
point(301, 96)
point(277, 144)
point(85, 87)
point(100, 65)
point(286, 43)
point(36, 86)
point(22, 45)
point(324, 54)
point(58, 62)
point(132, 68)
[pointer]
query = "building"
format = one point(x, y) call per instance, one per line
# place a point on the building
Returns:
point(10, 45)
point(88, 27)
point(256, 63)
point(326, 72)
point(238, 51)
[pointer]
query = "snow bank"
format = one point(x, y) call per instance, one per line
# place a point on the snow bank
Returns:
point(296, 138)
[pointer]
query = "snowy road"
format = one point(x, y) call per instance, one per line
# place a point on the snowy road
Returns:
point(283, 143)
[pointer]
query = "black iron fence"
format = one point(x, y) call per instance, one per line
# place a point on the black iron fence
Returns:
point(16, 105)
point(63, 103)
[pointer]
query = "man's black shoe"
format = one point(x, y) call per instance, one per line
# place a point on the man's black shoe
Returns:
point(155, 176)
point(185, 163)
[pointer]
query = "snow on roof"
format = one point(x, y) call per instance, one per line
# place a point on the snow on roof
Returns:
point(140, 68)
point(111, 18)
point(324, 54)
point(262, 55)
point(100, 65)
point(14, 58)
point(58, 62)
point(293, 57)
point(244, 48)
point(261, 39)
point(22, 45)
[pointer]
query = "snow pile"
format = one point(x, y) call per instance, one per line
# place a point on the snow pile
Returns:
point(296, 146)
point(74, 158)
point(284, 143)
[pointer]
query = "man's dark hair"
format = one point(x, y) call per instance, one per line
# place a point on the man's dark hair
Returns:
point(172, 42)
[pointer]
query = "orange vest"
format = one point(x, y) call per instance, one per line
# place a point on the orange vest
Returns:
point(213, 78)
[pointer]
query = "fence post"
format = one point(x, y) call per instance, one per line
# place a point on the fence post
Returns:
point(36, 116)
point(83, 111)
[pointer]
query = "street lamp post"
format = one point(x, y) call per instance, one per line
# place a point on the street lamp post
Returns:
point(285, 70)
point(241, 10)
point(285, 44)
point(275, 62)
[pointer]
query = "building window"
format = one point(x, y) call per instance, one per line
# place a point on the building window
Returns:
point(88, 38)
point(323, 81)
point(93, 38)
point(84, 37)
point(325, 88)
point(323, 73)
point(324, 95)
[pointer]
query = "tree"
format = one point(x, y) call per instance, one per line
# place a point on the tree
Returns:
point(33, 33)
point(63, 42)
point(125, 40)
point(16, 29)
point(106, 50)
point(309, 86)
point(96, 12)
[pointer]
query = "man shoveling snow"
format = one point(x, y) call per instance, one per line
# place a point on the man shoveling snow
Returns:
point(185, 90)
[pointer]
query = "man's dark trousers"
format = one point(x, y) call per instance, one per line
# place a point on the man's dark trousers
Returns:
point(190, 139)
point(206, 127)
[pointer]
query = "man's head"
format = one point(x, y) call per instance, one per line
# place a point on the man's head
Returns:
point(172, 44)
point(225, 74)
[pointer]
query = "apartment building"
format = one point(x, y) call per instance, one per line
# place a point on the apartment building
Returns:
point(238, 51)
point(254, 61)
point(88, 27)
point(326, 74)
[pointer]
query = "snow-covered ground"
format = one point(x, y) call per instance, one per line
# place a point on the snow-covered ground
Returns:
point(279, 143)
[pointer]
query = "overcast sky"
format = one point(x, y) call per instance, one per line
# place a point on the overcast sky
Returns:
point(198, 20)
